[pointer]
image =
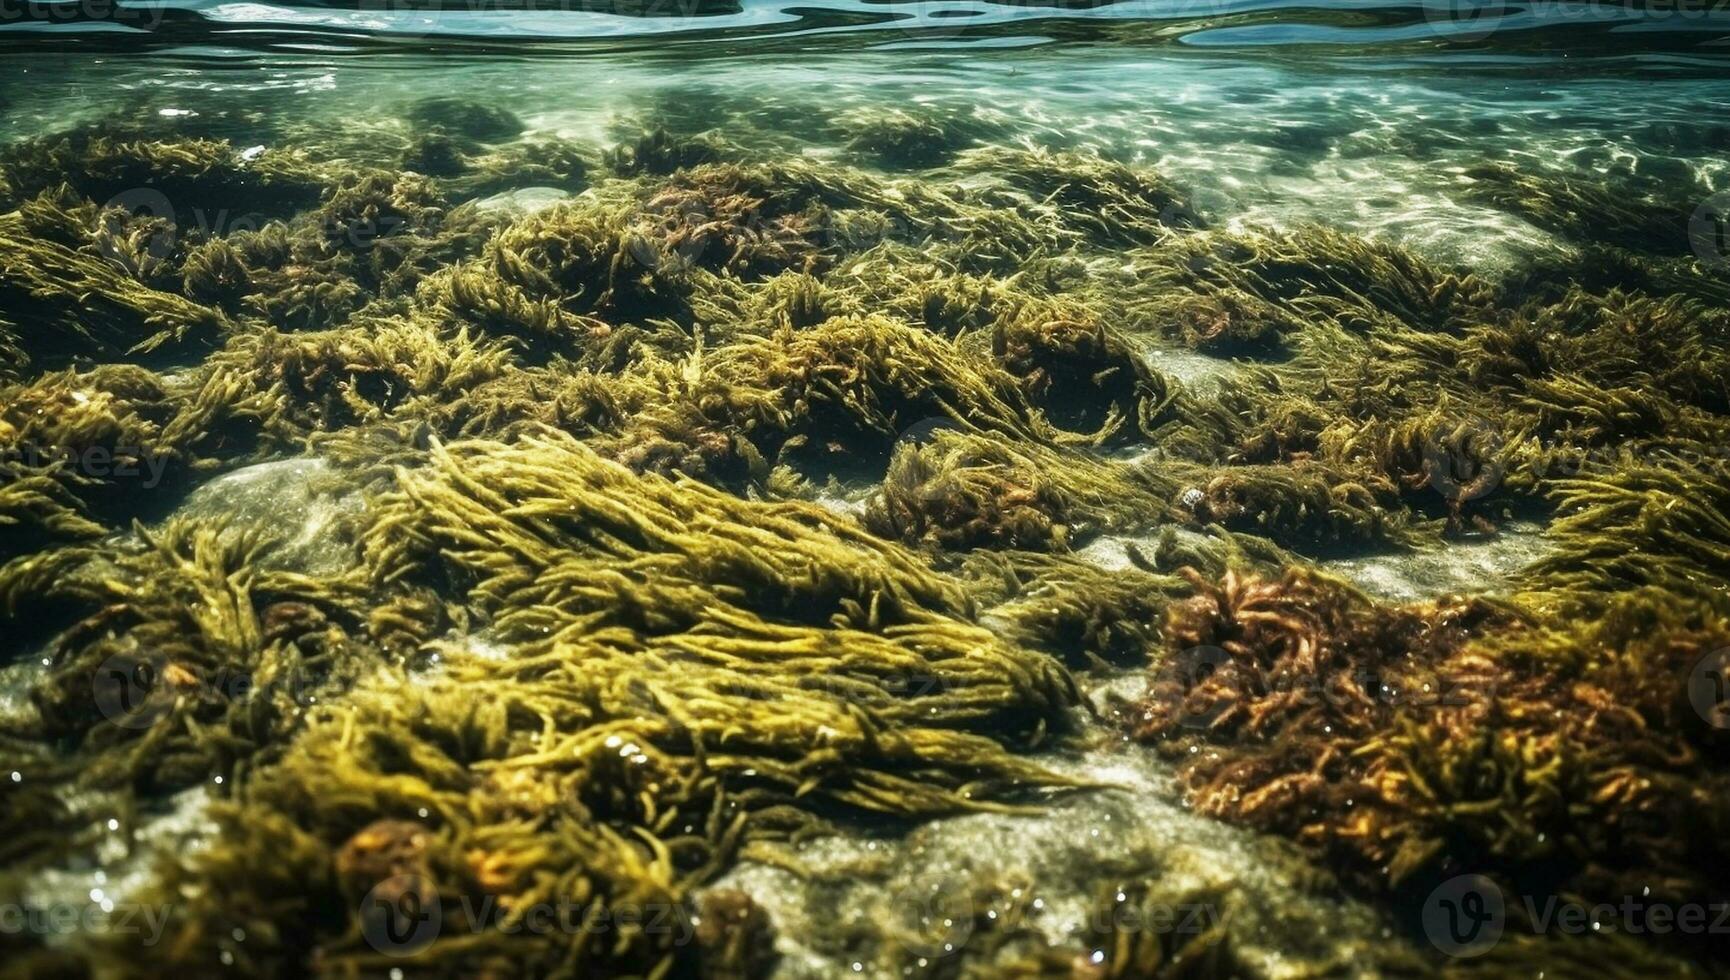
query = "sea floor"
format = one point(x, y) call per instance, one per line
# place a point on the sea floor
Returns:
point(1018, 516)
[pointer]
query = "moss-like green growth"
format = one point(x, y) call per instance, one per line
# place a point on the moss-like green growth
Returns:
point(696, 492)
point(957, 492)
point(107, 164)
point(181, 659)
point(1110, 203)
point(1585, 212)
point(685, 671)
point(62, 304)
point(465, 117)
point(659, 153)
point(915, 138)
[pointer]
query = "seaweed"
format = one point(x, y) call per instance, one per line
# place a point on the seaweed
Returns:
point(958, 491)
point(1108, 202)
point(1413, 743)
point(1655, 522)
point(64, 305)
point(466, 117)
point(840, 394)
point(1084, 376)
point(687, 671)
point(180, 659)
point(745, 495)
point(105, 163)
point(660, 153)
point(1586, 212)
point(1232, 293)
point(545, 276)
point(1075, 609)
point(917, 138)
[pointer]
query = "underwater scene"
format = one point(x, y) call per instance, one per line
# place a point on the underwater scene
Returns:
point(890, 488)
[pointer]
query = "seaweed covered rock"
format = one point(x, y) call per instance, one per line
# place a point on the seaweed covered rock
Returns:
point(84, 451)
point(1414, 743)
point(391, 369)
point(1303, 505)
point(959, 491)
point(742, 667)
point(184, 178)
point(466, 117)
point(1085, 377)
point(914, 137)
point(1233, 293)
point(738, 220)
point(547, 276)
point(1108, 202)
point(660, 153)
point(171, 660)
point(1074, 608)
point(62, 305)
point(1655, 523)
point(839, 394)
point(1585, 212)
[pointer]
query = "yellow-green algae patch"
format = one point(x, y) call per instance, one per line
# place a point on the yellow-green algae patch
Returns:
point(478, 555)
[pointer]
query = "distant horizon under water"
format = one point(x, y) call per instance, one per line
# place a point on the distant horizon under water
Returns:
point(889, 488)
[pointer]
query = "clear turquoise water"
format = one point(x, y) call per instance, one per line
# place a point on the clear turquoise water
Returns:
point(1360, 115)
